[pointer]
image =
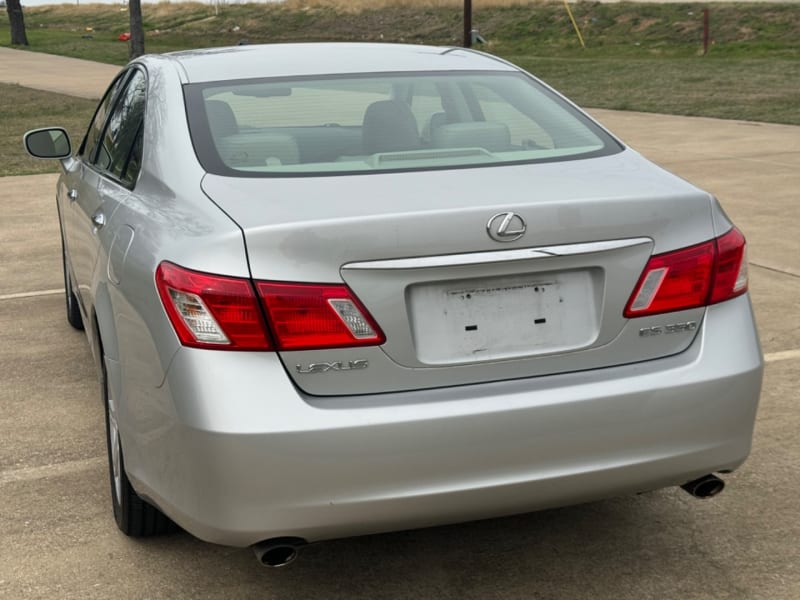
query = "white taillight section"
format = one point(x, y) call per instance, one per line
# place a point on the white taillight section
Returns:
point(742, 278)
point(352, 317)
point(700, 275)
point(197, 317)
point(648, 289)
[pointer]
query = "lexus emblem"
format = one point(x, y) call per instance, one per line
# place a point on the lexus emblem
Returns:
point(506, 227)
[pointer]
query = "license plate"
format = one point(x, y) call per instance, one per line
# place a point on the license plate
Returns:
point(505, 317)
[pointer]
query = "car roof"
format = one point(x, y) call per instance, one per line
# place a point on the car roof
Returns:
point(282, 60)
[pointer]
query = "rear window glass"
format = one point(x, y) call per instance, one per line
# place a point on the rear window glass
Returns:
point(376, 123)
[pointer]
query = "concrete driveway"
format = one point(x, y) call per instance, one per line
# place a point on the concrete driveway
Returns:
point(59, 539)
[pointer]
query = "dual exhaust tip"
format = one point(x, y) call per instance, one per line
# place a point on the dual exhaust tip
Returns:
point(280, 552)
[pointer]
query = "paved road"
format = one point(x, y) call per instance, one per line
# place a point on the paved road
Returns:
point(58, 539)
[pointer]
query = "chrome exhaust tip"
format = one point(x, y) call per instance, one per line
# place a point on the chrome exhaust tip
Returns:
point(704, 487)
point(278, 552)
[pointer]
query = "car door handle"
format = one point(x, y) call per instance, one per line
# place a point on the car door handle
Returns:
point(73, 195)
point(99, 220)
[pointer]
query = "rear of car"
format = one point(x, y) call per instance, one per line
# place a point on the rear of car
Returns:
point(463, 298)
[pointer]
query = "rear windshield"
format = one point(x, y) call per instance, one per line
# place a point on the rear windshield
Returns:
point(384, 122)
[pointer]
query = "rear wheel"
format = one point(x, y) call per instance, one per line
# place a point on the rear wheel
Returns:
point(135, 517)
point(73, 310)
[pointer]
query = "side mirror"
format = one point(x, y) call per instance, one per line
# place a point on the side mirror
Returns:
point(51, 142)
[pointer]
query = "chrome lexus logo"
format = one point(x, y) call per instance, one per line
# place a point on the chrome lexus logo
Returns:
point(506, 227)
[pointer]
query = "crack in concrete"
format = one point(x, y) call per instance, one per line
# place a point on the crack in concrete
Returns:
point(775, 270)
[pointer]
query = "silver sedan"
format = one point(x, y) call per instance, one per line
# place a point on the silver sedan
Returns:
point(338, 289)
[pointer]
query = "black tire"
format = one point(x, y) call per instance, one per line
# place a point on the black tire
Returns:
point(74, 317)
point(134, 516)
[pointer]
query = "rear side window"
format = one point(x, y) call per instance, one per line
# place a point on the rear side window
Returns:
point(375, 123)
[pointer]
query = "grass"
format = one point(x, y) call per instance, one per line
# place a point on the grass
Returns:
point(754, 90)
point(644, 57)
point(512, 26)
point(21, 110)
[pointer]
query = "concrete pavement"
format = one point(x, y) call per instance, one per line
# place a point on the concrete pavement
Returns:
point(71, 76)
point(58, 538)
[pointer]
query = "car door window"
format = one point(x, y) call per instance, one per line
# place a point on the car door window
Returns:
point(120, 148)
point(92, 137)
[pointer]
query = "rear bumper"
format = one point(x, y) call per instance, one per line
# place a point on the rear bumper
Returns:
point(239, 455)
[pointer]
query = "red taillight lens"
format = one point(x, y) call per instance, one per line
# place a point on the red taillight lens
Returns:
point(700, 275)
point(214, 311)
point(674, 281)
point(211, 311)
point(308, 316)
point(730, 277)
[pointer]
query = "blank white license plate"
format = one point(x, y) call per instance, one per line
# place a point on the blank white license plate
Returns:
point(504, 317)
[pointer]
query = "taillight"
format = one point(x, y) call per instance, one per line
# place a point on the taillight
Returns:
point(211, 311)
point(309, 316)
point(730, 276)
point(227, 313)
point(700, 275)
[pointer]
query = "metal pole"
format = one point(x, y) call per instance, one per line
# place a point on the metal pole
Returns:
point(575, 25)
point(467, 23)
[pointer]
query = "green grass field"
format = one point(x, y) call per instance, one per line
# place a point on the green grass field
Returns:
point(22, 109)
point(643, 57)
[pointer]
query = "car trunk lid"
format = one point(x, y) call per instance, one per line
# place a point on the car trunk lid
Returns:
point(456, 306)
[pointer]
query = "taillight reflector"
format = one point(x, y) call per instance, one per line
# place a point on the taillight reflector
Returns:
point(310, 316)
point(700, 275)
point(211, 311)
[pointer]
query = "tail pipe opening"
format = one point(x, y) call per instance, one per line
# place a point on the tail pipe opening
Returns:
point(704, 487)
point(278, 552)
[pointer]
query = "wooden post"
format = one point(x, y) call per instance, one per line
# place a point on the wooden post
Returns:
point(706, 28)
point(467, 23)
